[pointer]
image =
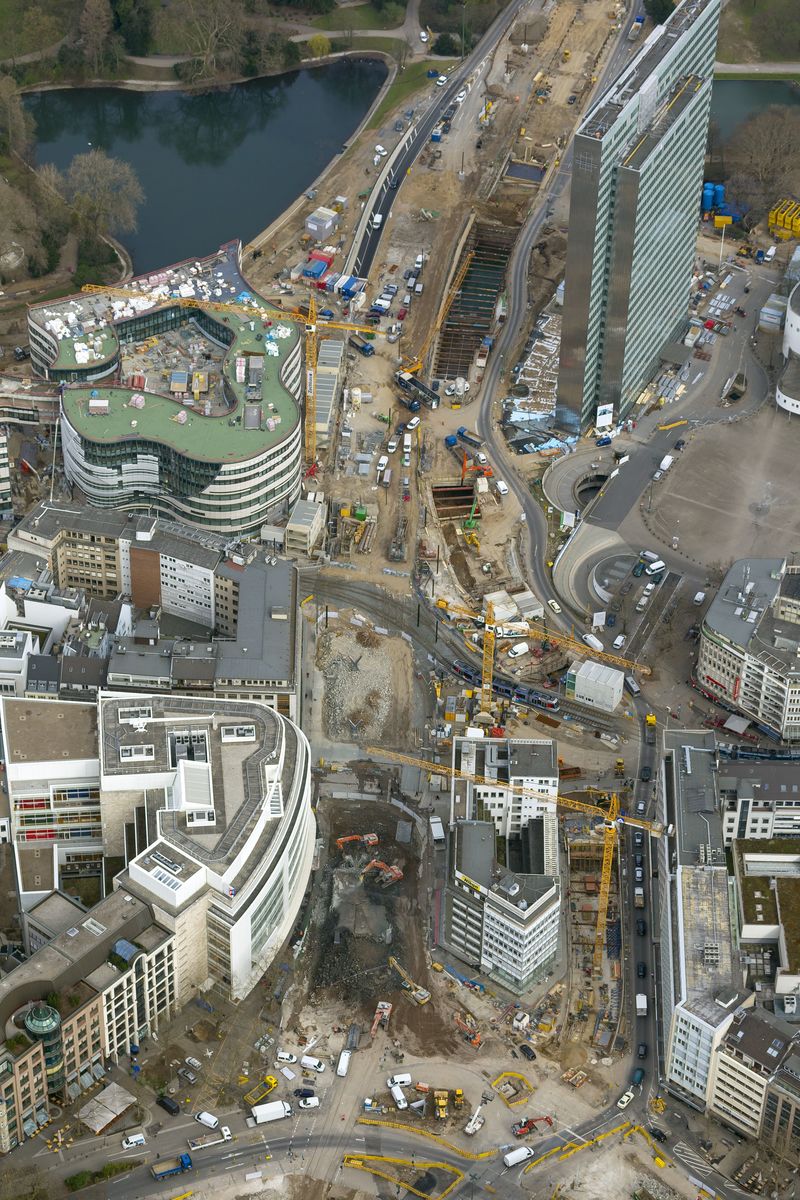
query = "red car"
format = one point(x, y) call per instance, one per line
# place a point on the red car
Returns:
point(402, 313)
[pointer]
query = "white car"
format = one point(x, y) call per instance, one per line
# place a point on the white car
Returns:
point(555, 607)
point(309, 1102)
point(441, 81)
point(423, 37)
point(413, 423)
point(461, 97)
point(285, 1056)
point(381, 151)
point(501, 487)
point(383, 463)
point(625, 1098)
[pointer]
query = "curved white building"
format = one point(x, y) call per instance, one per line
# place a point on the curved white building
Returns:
point(787, 393)
point(217, 445)
point(225, 791)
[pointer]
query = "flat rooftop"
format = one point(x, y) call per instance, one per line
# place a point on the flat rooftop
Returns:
point(693, 778)
point(89, 327)
point(47, 730)
point(741, 613)
point(475, 858)
point(765, 781)
point(57, 912)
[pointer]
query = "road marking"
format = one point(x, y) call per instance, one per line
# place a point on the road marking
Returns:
point(691, 1158)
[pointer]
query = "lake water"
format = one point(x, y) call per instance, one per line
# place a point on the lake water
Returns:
point(734, 100)
point(216, 165)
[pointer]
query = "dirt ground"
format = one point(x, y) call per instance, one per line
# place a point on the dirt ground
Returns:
point(368, 679)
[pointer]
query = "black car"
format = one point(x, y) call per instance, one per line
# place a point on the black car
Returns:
point(641, 1050)
point(528, 1051)
point(641, 927)
point(681, 442)
point(394, 183)
point(638, 570)
point(646, 774)
point(659, 1135)
point(169, 1105)
point(611, 620)
point(304, 1093)
point(641, 970)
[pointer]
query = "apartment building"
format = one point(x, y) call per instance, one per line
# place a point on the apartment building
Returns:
point(759, 800)
point(702, 980)
point(749, 654)
point(780, 1125)
point(104, 982)
point(751, 1051)
point(244, 598)
point(637, 176)
point(503, 923)
point(529, 765)
point(6, 503)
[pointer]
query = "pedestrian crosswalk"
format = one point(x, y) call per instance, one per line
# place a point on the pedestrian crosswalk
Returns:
point(688, 1155)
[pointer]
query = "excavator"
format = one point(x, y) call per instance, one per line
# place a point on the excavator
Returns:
point(468, 1027)
point(364, 839)
point(418, 994)
point(389, 874)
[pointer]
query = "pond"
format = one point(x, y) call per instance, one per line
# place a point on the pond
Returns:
point(214, 165)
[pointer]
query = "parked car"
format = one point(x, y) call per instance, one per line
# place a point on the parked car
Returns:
point(309, 1102)
point(625, 1098)
point(169, 1105)
point(638, 570)
point(413, 423)
point(285, 1056)
point(304, 1093)
point(641, 1050)
point(441, 81)
point(528, 1052)
point(681, 442)
point(193, 1063)
point(188, 1075)
point(554, 605)
point(423, 37)
point(603, 441)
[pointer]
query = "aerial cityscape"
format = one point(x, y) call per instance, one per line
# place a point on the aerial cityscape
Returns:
point(399, 599)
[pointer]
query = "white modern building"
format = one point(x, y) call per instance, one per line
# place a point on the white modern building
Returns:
point(223, 790)
point(502, 923)
point(749, 655)
point(787, 394)
point(529, 765)
point(218, 448)
point(595, 684)
point(637, 177)
point(760, 800)
point(767, 877)
point(6, 505)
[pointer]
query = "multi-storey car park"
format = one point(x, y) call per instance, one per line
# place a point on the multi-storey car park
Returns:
point(207, 430)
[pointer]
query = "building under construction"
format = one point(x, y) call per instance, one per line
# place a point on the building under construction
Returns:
point(475, 310)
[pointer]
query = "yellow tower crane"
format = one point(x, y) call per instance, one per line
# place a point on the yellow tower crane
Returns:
point(559, 639)
point(415, 364)
point(610, 815)
point(259, 311)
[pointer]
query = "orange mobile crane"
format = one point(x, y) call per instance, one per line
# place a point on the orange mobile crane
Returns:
point(610, 815)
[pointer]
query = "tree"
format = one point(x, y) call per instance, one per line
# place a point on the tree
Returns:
point(319, 45)
point(764, 154)
point(659, 10)
point(213, 31)
point(16, 126)
point(134, 20)
point(104, 193)
point(446, 44)
point(39, 29)
point(96, 26)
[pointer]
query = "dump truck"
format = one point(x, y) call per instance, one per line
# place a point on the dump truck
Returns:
point(223, 1134)
point(361, 345)
point(635, 30)
point(171, 1166)
point(650, 729)
point(274, 1111)
point(468, 436)
point(638, 897)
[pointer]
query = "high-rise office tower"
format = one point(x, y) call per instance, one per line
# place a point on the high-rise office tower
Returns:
point(637, 178)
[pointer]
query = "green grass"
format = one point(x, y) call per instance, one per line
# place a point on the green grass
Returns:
point(361, 16)
point(407, 83)
point(762, 31)
point(757, 76)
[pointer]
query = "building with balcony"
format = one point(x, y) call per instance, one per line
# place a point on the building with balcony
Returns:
point(780, 1125)
point(219, 448)
point(753, 1048)
point(749, 655)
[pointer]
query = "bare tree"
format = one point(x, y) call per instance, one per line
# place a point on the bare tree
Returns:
point(214, 30)
point(104, 193)
point(96, 25)
point(40, 29)
point(763, 155)
point(16, 127)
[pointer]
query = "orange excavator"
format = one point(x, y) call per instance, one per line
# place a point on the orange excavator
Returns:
point(389, 875)
point(469, 1028)
point(364, 839)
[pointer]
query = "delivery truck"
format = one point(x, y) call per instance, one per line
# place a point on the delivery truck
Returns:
point(641, 1004)
point(171, 1166)
point(223, 1134)
point(638, 897)
point(666, 463)
point(274, 1111)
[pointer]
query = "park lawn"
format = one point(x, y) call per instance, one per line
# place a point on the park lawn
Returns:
point(747, 32)
point(15, 36)
point(405, 85)
point(362, 16)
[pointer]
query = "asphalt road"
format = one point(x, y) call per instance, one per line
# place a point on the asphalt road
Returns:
point(420, 134)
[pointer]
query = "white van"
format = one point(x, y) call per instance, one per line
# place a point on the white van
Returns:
point(518, 650)
point(383, 463)
point(592, 641)
point(377, 220)
point(656, 567)
point(343, 1065)
point(312, 1064)
point(619, 641)
point(501, 487)
point(699, 598)
point(399, 1097)
point(133, 1140)
point(648, 556)
point(401, 1080)
point(406, 443)
point(520, 1155)
point(208, 1119)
